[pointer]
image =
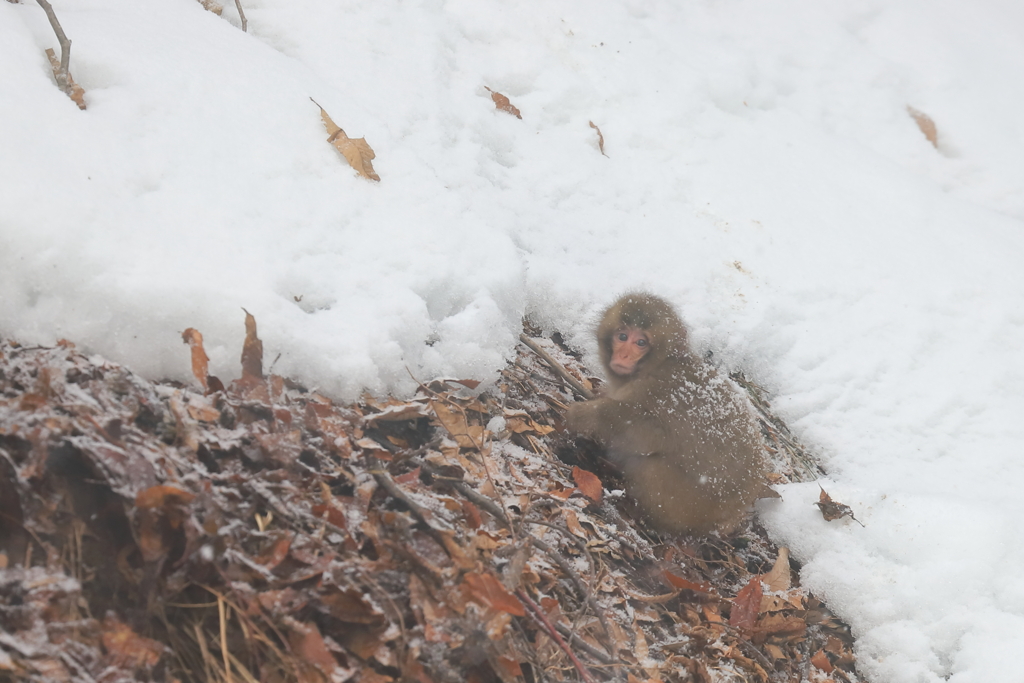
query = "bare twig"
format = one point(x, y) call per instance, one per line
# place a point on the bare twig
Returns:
point(557, 367)
point(65, 44)
point(748, 646)
point(61, 69)
point(474, 496)
point(241, 15)
point(581, 586)
point(538, 615)
point(576, 641)
point(491, 507)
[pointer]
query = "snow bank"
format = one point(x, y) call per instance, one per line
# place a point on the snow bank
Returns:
point(762, 171)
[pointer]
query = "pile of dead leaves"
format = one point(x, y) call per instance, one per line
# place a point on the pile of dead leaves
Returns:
point(262, 532)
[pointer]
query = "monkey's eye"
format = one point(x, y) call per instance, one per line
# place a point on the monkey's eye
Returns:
point(641, 342)
point(623, 336)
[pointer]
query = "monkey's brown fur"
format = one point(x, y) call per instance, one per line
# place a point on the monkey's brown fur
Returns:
point(686, 441)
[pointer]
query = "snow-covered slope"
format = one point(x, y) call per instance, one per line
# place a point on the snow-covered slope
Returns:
point(762, 171)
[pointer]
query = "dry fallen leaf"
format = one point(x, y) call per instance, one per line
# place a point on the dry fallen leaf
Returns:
point(252, 350)
point(200, 361)
point(502, 103)
point(518, 421)
point(486, 590)
point(572, 520)
point(831, 510)
point(746, 604)
point(925, 123)
point(127, 648)
point(778, 579)
point(454, 421)
point(820, 660)
point(588, 484)
point(685, 584)
point(355, 150)
point(780, 627)
point(600, 138)
point(73, 90)
point(307, 643)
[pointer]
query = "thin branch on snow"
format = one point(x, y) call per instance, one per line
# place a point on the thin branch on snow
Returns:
point(65, 46)
point(241, 15)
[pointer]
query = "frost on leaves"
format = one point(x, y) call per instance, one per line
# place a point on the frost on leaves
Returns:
point(261, 531)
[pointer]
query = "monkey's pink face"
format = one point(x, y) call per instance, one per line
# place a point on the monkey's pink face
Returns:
point(629, 345)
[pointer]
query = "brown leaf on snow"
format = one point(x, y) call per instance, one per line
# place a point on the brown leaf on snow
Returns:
point(746, 604)
point(831, 510)
point(502, 103)
point(73, 90)
point(200, 361)
point(356, 151)
point(252, 350)
point(925, 123)
point(600, 138)
point(588, 484)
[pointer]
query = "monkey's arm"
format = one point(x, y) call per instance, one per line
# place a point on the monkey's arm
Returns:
point(589, 418)
point(617, 423)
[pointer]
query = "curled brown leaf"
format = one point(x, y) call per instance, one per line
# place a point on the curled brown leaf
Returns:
point(502, 103)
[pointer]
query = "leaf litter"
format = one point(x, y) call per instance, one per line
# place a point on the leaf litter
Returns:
point(262, 532)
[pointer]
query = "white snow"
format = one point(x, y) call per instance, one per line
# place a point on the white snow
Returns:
point(762, 173)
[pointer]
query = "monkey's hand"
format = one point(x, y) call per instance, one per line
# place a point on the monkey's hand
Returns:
point(585, 418)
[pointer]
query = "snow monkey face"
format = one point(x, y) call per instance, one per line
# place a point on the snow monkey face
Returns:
point(629, 346)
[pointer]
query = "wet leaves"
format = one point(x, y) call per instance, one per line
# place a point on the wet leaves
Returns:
point(264, 532)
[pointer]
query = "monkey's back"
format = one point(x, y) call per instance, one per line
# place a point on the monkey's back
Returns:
point(692, 454)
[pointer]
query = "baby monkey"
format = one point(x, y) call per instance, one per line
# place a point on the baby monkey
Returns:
point(685, 439)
